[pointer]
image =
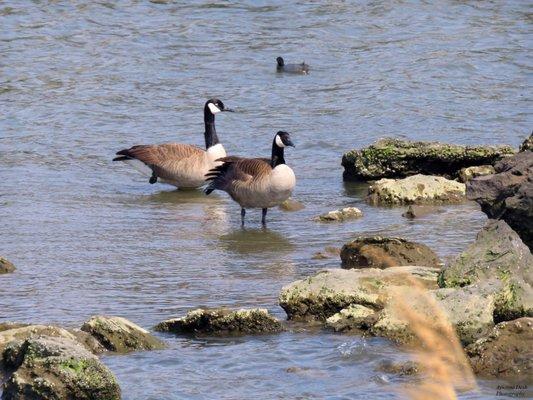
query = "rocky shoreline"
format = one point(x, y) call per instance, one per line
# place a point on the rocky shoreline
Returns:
point(485, 294)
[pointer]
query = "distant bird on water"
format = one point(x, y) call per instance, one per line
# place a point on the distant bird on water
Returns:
point(302, 68)
point(256, 182)
point(181, 165)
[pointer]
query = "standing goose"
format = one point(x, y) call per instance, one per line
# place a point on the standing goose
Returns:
point(181, 165)
point(256, 182)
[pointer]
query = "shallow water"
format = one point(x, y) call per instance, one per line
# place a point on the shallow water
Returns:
point(82, 80)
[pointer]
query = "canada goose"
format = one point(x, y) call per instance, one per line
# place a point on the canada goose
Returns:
point(181, 165)
point(256, 182)
point(302, 68)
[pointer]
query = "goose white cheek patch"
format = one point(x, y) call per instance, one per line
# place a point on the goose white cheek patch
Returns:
point(279, 142)
point(214, 109)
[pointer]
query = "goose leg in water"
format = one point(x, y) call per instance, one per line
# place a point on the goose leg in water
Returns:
point(243, 213)
point(263, 218)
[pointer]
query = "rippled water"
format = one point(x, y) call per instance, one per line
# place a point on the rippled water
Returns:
point(81, 80)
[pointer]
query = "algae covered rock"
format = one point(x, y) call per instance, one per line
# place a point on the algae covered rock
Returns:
point(506, 352)
point(120, 335)
point(355, 316)
point(340, 215)
point(508, 194)
point(527, 145)
point(384, 252)
point(416, 189)
point(466, 174)
point(6, 266)
point(18, 333)
point(56, 368)
point(222, 321)
point(396, 158)
point(291, 205)
point(324, 294)
point(497, 254)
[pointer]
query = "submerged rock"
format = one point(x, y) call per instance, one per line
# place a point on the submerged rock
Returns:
point(340, 215)
point(418, 211)
point(56, 368)
point(497, 254)
point(466, 174)
point(383, 252)
point(120, 335)
point(328, 252)
point(508, 194)
point(291, 205)
point(396, 158)
point(222, 321)
point(322, 295)
point(506, 352)
point(6, 266)
point(416, 189)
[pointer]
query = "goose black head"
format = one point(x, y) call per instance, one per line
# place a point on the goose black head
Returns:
point(283, 139)
point(214, 106)
point(280, 61)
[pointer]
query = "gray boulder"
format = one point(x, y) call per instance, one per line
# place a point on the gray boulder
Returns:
point(384, 252)
point(55, 368)
point(416, 189)
point(396, 158)
point(222, 321)
point(497, 254)
point(120, 335)
point(508, 194)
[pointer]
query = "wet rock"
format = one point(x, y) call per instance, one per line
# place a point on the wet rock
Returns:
point(527, 144)
point(222, 321)
point(291, 205)
point(328, 252)
point(340, 215)
point(5, 326)
point(506, 352)
point(385, 252)
point(395, 158)
point(6, 266)
point(88, 341)
point(56, 368)
point(355, 316)
point(416, 189)
point(508, 194)
point(120, 335)
point(466, 174)
point(399, 368)
point(322, 295)
point(32, 331)
point(418, 211)
point(497, 254)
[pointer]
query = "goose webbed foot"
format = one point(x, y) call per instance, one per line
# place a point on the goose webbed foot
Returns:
point(263, 217)
point(243, 214)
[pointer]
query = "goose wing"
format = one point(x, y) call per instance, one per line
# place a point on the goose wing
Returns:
point(236, 171)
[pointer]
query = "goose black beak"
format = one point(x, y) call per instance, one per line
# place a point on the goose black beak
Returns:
point(289, 143)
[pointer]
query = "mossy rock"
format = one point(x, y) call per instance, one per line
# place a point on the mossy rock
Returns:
point(120, 335)
point(55, 368)
point(396, 158)
point(222, 321)
point(6, 266)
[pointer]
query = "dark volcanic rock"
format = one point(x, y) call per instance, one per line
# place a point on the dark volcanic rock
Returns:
point(508, 194)
point(222, 321)
point(383, 252)
point(506, 352)
point(395, 158)
point(56, 368)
